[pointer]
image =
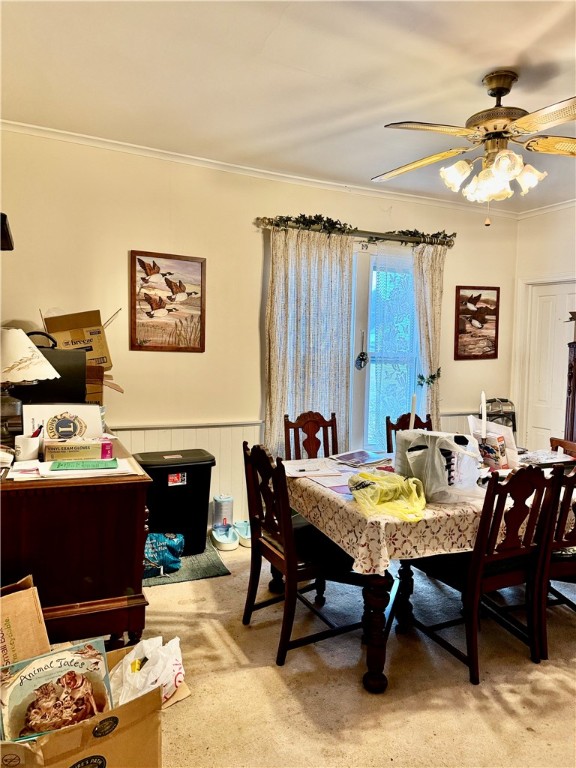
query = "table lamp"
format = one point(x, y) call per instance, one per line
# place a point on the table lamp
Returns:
point(22, 363)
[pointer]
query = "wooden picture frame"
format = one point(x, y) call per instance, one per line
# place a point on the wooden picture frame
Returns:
point(167, 302)
point(476, 322)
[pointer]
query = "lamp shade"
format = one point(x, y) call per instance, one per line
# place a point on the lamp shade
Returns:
point(529, 178)
point(454, 175)
point(21, 360)
point(507, 165)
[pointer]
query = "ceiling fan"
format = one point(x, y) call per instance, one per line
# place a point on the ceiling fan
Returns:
point(493, 129)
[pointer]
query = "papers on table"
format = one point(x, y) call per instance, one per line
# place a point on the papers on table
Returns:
point(310, 468)
point(41, 470)
point(546, 458)
point(360, 458)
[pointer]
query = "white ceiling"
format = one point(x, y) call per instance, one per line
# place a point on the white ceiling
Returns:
point(296, 88)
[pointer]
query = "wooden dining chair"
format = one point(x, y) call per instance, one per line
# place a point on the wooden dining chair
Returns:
point(515, 521)
point(301, 436)
point(560, 560)
point(300, 553)
point(567, 446)
point(301, 439)
point(403, 422)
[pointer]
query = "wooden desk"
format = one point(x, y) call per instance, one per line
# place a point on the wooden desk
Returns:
point(83, 542)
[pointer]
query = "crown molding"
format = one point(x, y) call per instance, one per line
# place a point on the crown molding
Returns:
point(176, 157)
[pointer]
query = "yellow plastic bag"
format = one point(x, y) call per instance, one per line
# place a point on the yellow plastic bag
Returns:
point(381, 492)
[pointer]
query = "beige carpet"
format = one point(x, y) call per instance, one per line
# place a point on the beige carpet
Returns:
point(245, 712)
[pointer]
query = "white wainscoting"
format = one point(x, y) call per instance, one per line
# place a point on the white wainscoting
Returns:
point(223, 441)
point(454, 422)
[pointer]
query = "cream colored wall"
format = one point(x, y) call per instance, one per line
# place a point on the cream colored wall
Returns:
point(546, 245)
point(76, 211)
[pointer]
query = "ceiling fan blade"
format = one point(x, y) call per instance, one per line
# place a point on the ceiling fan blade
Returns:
point(451, 130)
point(545, 118)
point(551, 145)
point(423, 162)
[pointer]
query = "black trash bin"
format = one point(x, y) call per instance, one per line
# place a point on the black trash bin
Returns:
point(179, 494)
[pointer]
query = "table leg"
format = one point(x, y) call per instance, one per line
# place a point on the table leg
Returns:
point(404, 611)
point(377, 618)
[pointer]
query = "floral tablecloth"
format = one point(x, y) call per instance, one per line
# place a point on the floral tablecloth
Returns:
point(373, 541)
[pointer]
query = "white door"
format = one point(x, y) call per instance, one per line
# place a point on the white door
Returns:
point(550, 307)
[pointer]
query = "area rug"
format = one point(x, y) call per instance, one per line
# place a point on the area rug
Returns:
point(206, 565)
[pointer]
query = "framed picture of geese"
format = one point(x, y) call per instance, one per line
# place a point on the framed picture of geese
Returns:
point(167, 302)
point(476, 323)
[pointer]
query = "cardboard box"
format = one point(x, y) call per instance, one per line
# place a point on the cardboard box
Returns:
point(74, 450)
point(128, 736)
point(22, 630)
point(493, 450)
point(81, 330)
point(95, 384)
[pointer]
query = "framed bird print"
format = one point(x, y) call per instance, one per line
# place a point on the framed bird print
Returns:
point(167, 302)
point(476, 323)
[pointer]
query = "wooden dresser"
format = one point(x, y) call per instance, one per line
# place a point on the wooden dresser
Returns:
point(570, 425)
point(83, 542)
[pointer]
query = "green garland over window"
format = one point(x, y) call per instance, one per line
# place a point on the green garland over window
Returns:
point(317, 223)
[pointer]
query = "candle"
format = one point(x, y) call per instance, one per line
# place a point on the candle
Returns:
point(412, 412)
point(483, 414)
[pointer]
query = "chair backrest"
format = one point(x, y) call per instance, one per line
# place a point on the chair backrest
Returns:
point(568, 446)
point(303, 434)
point(268, 503)
point(565, 528)
point(516, 523)
point(403, 422)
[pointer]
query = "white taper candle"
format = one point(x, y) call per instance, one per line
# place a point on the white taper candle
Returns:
point(483, 414)
point(412, 412)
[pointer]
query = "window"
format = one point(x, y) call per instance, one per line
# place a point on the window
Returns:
point(384, 292)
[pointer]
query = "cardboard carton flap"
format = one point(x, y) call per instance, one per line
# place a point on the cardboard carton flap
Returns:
point(75, 320)
point(24, 583)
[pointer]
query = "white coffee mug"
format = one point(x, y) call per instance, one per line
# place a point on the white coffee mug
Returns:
point(26, 448)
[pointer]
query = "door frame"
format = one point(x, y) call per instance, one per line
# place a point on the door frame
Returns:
point(524, 302)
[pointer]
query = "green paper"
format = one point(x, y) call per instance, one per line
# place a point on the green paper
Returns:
point(87, 464)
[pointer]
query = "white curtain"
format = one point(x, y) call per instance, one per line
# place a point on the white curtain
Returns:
point(308, 321)
point(428, 286)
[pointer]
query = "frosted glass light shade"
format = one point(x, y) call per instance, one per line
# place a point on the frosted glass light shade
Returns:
point(529, 178)
point(454, 175)
point(487, 186)
point(507, 164)
point(21, 360)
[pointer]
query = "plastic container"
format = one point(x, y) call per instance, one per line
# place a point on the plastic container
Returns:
point(223, 510)
point(179, 494)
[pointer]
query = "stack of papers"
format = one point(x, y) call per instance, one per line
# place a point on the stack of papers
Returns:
point(310, 468)
point(545, 458)
point(360, 458)
point(42, 470)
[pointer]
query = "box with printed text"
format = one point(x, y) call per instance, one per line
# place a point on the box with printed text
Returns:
point(81, 330)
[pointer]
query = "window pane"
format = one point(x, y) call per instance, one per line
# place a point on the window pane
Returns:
point(392, 345)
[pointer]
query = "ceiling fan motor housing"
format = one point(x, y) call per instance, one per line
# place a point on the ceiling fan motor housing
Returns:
point(499, 82)
point(496, 119)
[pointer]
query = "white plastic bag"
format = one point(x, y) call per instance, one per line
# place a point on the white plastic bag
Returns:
point(148, 665)
point(419, 454)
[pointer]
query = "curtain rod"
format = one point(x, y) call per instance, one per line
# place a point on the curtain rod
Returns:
point(439, 239)
point(402, 236)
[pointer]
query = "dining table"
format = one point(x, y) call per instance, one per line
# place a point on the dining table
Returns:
point(374, 540)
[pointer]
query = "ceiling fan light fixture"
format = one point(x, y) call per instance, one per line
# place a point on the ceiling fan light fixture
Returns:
point(529, 178)
point(487, 186)
point(456, 174)
point(507, 164)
